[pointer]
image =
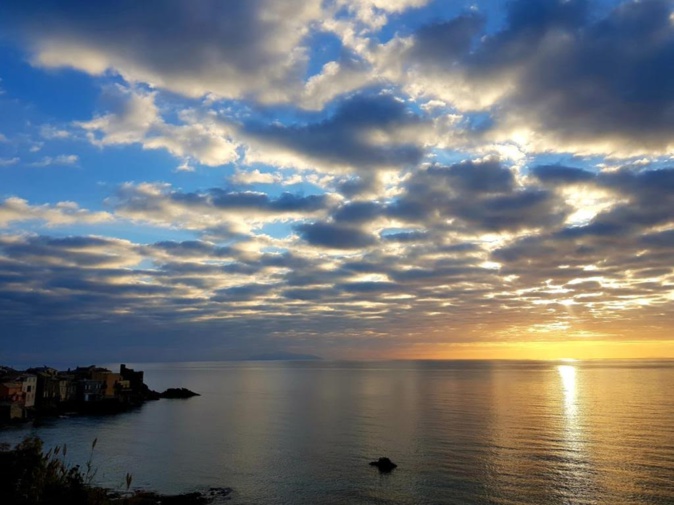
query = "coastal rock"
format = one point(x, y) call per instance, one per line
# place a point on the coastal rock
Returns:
point(140, 497)
point(178, 393)
point(384, 465)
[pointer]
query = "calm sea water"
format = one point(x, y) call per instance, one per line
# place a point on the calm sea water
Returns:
point(461, 432)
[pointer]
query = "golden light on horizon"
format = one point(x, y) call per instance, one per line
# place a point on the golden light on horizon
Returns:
point(562, 350)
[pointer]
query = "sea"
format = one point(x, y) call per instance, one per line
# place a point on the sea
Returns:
point(461, 432)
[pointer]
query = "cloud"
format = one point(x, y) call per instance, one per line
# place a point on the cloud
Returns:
point(616, 261)
point(346, 277)
point(50, 132)
point(445, 42)
point(335, 236)
point(639, 198)
point(366, 132)
point(349, 72)
point(236, 211)
point(232, 49)
point(133, 117)
point(16, 210)
point(257, 177)
point(403, 229)
point(373, 13)
point(561, 174)
point(557, 75)
point(358, 212)
point(8, 162)
point(479, 195)
point(80, 252)
point(61, 159)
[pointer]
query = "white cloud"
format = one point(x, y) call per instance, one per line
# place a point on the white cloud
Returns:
point(8, 162)
point(50, 132)
point(61, 159)
point(14, 210)
point(135, 118)
point(256, 177)
point(284, 177)
point(335, 78)
point(132, 114)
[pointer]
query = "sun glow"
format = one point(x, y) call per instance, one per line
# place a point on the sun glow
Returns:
point(567, 351)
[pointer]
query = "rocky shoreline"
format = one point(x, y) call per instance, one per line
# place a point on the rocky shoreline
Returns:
point(152, 498)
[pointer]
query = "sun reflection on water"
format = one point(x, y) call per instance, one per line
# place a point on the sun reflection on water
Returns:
point(573, 432)
point(568, 375)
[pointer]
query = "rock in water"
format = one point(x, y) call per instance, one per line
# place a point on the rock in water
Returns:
point(385, 465)
point(178, 393)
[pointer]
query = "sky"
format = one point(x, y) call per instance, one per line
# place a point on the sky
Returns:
point(363, 179)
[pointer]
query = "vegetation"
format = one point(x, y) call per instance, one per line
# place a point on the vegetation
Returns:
point(29, 476)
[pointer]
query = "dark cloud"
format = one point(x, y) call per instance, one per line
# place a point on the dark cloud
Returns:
point(444, 42)
point(479, 194)
point(647, 199)
point(607, 78)
point(523, 209)
point(335, 236)
point(369, 287)
point(566, 69)
point(440, 271)
point(475, 177)
point(287, 202)
point(241, 293)
point(357, 212)
point(664, 240)
point(189, 248)
point(343, 138)
point(85, 252)
point(596, 229)
point(558, 174)
point(355, 186)
point(310, 294)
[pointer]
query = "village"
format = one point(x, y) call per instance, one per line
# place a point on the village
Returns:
point(45, 391)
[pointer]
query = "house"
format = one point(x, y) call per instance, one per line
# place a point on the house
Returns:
point(48, 391)
point(11, 391)
point(67, 387)
point(11, 397)
point(43, 390)
point(90, 390)
point(110, 380)
point(29, 388)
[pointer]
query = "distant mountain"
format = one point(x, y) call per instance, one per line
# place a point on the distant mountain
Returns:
point(284, 356)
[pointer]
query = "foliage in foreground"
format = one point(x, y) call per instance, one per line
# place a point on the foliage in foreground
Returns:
point(29, 476)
